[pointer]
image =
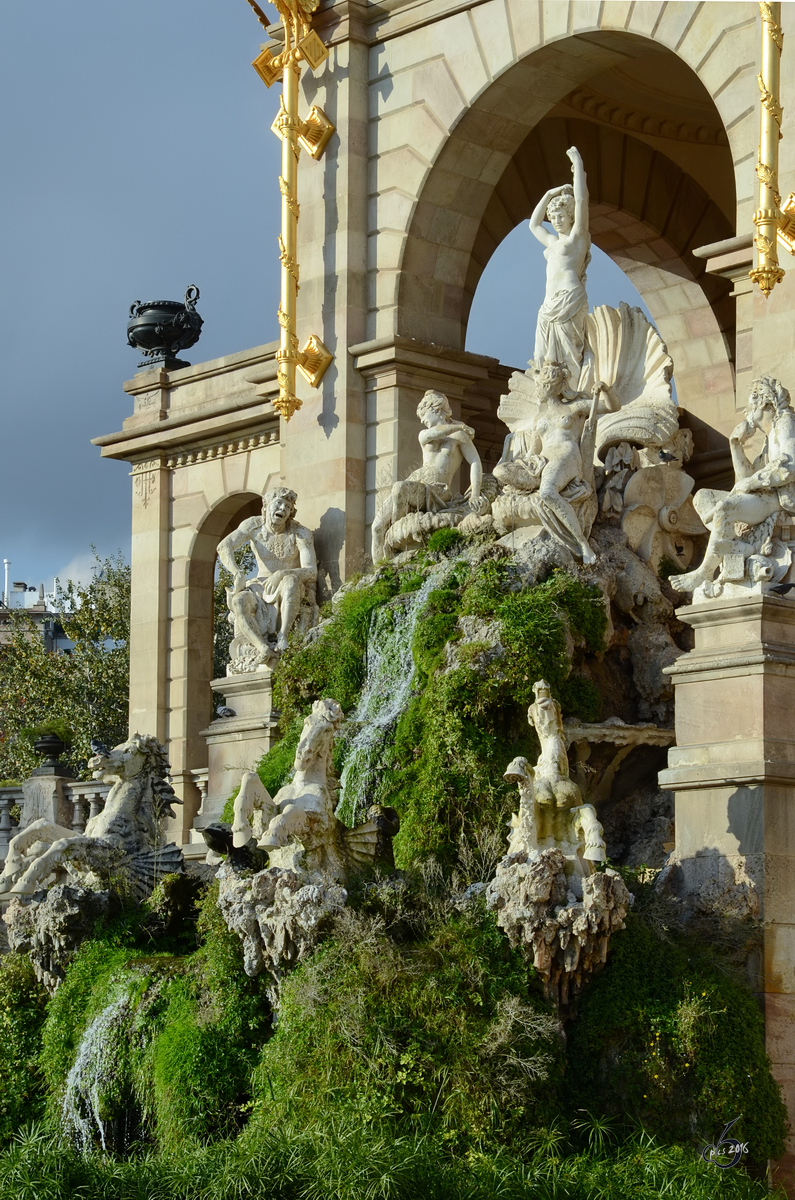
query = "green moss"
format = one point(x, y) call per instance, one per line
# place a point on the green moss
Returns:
point(442, 541)
point(22, 1011)
point(439, 1024)
point(663, 1033)
point(334, 664)
point(186, 1040)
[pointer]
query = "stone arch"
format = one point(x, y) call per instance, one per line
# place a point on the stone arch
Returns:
point(647, 220)
point(478, 168)
point(193, 706)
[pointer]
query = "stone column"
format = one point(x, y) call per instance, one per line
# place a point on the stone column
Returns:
point(149, 598)
point(733, 775)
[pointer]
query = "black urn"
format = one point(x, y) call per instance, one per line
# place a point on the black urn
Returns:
point(161, 328)
point(51, 747)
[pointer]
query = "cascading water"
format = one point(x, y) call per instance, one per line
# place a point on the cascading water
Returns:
point(387, 691)
point(94, 1073)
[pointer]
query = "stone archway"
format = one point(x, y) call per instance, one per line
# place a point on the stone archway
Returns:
point(470, 127)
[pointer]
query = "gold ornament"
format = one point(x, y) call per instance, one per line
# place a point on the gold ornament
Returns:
point(301, 45)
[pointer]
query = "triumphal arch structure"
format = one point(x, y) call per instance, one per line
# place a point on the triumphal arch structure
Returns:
point(450, 121)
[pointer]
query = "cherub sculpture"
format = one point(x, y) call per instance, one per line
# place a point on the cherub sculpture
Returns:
point(428, 490)
point(282, 595)
point(742, 522)
point(123, 845)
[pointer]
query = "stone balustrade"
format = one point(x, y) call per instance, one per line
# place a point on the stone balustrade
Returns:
point(86, 798)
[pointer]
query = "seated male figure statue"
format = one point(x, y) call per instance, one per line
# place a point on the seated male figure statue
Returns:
point(445, 445)
point(270, 604)
point(762, 488)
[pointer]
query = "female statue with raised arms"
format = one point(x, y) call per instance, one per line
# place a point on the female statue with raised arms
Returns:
point(560, 333)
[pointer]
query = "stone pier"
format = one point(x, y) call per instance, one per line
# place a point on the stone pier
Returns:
point(733, 775)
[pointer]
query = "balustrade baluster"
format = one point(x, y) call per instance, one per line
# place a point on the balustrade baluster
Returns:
point(6, 824)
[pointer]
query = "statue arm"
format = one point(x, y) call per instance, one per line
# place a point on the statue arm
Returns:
point(537, 219)
point(743, 467)
point(238, 538)
point(475, 469)
point(306, 554)
point(581, 198)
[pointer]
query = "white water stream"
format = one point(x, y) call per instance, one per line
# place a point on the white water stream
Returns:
point(92, 1073)
point(386, 693)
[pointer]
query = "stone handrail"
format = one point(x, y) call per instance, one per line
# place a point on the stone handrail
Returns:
point(76, 792)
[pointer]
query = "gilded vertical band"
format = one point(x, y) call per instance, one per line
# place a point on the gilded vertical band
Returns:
point(767, 272)
point(301, 45)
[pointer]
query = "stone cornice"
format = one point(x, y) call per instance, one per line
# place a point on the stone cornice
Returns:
point(627, 116)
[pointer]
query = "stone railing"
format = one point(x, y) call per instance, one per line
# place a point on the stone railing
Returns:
point(86, 798)
point(10, 797)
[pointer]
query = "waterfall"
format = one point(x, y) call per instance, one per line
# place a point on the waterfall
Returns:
point(96, 1068)
point(386, 693)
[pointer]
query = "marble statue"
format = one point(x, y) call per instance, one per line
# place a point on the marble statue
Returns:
point(552, 783)
point(282, 595)
point(124, 844)
point(546, 467)
point(743, 547)
point(549, 897)
point(298, 825)
point(656, 506)
point(560, 332)
point(281, 913)
point(425, 500)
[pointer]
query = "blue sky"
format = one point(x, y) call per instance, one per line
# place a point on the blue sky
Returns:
point(137, 159)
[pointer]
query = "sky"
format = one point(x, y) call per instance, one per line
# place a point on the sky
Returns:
point(137, 159)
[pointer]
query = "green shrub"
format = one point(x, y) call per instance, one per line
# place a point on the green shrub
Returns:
point(178, 1058)
point(22, 1010)
point(407, 1012)
point(665, 1034)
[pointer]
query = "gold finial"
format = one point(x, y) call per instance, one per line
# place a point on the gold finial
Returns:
point(301, 45)
point(768, 218)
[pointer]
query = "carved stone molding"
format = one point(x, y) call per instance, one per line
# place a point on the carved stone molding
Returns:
point(237, 446)
point(612, 112)
point(144, 479)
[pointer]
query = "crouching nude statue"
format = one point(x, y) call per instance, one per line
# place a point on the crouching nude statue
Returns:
point(428, 490)
point(264, 610)
point(122, 846)
point(742, 522)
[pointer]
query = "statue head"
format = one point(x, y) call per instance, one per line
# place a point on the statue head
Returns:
point(278, 507)
point(436, 404)
point(551, 379)
point(561, 210)
point(542, 690)
point(767, 395)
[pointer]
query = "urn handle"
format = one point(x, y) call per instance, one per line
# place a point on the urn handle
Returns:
point(191, 297)
point(135, 308)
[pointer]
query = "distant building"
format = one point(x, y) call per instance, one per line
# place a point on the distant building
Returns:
point(21, 595)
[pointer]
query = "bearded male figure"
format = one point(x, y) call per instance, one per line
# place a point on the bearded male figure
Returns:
point(264, 609)
point(763, 489)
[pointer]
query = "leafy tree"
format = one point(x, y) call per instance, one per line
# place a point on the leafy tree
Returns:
point(85, 690)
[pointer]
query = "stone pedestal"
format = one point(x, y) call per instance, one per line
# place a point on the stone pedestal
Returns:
point(733, 774)
point(44, 797)
point(236, 744)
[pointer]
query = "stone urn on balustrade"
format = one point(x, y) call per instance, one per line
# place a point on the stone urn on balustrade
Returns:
point(161, 328)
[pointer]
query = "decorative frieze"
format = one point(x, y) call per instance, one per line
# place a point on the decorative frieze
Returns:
point(187, 458)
